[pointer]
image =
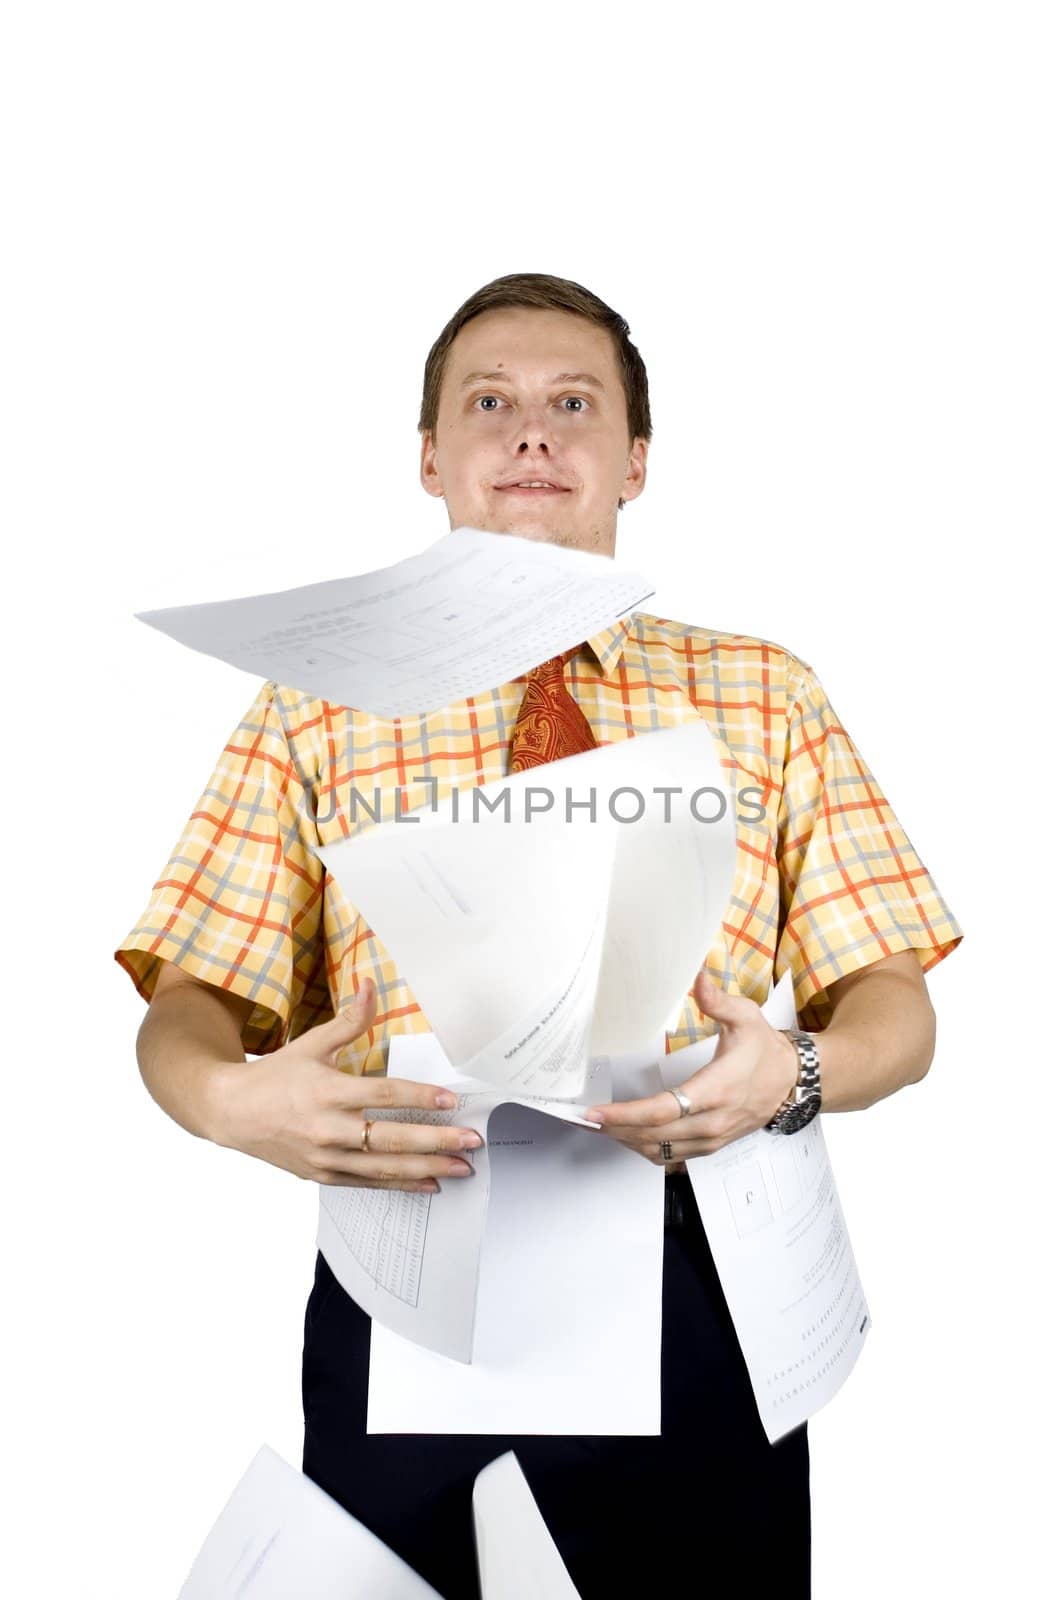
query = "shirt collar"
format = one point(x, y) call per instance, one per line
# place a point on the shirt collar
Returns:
point(608, 644)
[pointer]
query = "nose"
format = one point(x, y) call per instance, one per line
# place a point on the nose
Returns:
point(533, 430)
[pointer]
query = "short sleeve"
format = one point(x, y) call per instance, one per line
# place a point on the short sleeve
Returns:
point(852, 888)
point(238, 904)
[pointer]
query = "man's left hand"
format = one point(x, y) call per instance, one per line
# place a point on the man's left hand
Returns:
point(754, 1070)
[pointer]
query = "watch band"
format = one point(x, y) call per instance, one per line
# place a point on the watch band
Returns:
point(803, 1102)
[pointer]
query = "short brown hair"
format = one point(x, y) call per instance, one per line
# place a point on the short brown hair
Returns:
point(541, 291)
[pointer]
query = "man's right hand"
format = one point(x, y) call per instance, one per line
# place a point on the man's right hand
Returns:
point(296, 1109)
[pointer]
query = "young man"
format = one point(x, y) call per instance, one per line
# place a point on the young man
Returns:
point(535, 421)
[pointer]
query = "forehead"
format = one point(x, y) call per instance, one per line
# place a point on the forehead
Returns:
point(532, 345)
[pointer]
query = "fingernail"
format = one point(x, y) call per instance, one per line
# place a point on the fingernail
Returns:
point(446, 1099)
point(428, 1186)
point(469, 1141)
point(460, 1170)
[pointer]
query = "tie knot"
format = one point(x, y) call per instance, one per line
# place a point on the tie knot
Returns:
point(553, 667)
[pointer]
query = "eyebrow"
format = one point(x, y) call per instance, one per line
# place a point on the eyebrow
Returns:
point(504, 377)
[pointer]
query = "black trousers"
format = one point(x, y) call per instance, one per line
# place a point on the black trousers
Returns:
point(626, 1511)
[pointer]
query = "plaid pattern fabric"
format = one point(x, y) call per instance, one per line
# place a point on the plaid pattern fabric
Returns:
point(825, 884)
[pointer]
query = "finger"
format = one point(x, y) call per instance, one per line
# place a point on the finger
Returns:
point(391, 1168)
point(390, 1136)
point(698, 1126)
point(356, 1091)
point(705, 1090)
point(655, 1110)
point(685, 1149)
point(354, 1019)
point(729, 1010)
point(346, 1181)
point(692, 1142)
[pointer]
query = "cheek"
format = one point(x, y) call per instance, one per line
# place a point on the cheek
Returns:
point(467, 468)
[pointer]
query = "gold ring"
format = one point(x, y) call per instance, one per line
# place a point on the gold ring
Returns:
point(366, 1126)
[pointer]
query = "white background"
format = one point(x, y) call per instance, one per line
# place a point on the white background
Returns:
point(232, 234)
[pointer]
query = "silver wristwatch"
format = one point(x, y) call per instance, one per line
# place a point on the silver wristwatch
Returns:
point(803, 1102)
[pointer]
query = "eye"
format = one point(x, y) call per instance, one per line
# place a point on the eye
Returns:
point(578, 397)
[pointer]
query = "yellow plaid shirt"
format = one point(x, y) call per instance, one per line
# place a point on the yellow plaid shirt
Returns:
point(825, 884)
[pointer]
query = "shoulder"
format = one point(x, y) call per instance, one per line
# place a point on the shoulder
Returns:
point(320, 733)
point(734, 658)
point(303, 722)
point(294, 708)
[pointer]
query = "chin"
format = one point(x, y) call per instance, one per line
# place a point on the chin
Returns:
point(530, 526)
point(523, 528)
point(538, 530)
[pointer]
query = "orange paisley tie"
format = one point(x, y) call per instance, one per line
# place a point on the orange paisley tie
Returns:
point(550, 724)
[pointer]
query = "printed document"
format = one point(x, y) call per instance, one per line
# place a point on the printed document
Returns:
point(280, 1536)
point(516, 1556)
point(472, 611)
point(567, 1315)
point(413, 1261)
point(536, 927)
point(774, 1222)
point(511, 1275)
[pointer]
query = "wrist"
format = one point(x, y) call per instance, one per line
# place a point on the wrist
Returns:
point(795, 1062)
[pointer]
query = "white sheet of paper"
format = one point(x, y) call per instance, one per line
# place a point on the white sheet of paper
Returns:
point(442, 899)
point(280, 1535)
point(472, 611)
point(612, 920)
point(568, 1310)
point(775, 1225)
point(516, 1557)
point(412, 1261)
point(774, 1222)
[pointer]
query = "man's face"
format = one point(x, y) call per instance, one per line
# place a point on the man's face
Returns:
point(507, 412)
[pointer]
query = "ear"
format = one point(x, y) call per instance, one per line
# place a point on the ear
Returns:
point(430, 473)
point(636, 476)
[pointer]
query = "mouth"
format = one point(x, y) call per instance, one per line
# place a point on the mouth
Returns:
point(529, 491)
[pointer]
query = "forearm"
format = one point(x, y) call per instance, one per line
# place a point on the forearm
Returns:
point(186, 1047)
point(881, 1036)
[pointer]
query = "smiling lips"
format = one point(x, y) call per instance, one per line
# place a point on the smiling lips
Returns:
point(535, 487)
